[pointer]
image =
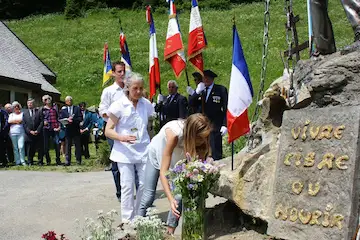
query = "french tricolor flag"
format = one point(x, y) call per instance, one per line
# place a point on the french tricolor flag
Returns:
point(154, 67)
point(240, 93)
point(174, 49)
point(197, 41)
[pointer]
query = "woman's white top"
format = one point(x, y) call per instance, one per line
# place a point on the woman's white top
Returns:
point(131, 122)
point(16, 129)
point(158, 143)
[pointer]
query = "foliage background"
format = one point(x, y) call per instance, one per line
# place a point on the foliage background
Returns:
point(74, 48)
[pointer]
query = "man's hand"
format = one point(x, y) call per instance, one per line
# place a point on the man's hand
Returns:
point(190, 90)
point(160, 98)
point(57, 129)
point(70, 119)
point(200, 87)
point(33, 133)
point(223, 130)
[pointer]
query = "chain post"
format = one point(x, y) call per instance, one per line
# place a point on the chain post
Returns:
point(290, 42)
point(263, 69)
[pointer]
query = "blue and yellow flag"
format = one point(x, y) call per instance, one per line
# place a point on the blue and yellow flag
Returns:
point(107, 65)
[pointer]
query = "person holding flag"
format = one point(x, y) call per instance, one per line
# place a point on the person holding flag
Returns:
point(154, 67)
point(213, 100)
point(174, 49)
point(240, 93)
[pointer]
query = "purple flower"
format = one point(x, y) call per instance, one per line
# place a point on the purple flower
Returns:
point(190, 186)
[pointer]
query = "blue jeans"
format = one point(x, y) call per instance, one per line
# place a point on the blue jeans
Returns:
point(148, 197)
point(18, 142)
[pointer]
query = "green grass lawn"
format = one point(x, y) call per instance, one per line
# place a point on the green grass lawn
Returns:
point(91, 164)
point(74, 48)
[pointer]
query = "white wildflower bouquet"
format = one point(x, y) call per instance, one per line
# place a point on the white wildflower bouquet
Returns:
point(149, 227)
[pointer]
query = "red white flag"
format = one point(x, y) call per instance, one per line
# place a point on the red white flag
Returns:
point(197, 41)
point(154, 68)
point(174, 49)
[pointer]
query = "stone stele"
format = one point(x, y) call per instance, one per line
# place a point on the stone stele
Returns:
point(316, 184)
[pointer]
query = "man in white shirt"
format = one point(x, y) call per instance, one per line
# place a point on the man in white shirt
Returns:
point(109, 95)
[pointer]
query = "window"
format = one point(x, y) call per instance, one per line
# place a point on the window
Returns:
point(21, 98)
point(4, 97)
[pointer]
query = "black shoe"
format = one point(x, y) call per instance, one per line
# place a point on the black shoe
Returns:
point(67, 164)
point(59, 164)
point(108, 168)
point(40, 164)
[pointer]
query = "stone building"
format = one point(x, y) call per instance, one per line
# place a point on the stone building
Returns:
point(22, 73)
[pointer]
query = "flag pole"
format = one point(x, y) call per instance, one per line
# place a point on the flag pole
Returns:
point(232, 143)
point(232, 155)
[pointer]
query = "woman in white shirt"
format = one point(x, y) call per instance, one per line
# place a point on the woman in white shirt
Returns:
point(165, 150)
point(17, 133)
point(127, 126)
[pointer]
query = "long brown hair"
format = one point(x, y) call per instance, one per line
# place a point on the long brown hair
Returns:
point(197, 131)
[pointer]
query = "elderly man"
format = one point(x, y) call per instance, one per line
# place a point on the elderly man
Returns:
point(7, 139)
point(71, 116)
point(173, 106)
point(212, 99)
point(33, 124)
point(3, 123)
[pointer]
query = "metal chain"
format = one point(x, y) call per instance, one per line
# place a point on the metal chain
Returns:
point(263, 68)
point(290, 43)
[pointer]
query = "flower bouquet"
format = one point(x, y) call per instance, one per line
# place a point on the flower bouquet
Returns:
point(193, 178)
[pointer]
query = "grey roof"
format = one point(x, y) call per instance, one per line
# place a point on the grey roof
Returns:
point(17, 61)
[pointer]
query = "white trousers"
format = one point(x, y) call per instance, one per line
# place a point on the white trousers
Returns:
point(129, 207)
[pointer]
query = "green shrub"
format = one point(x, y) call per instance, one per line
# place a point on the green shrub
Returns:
point(73, 9)
point(104, 153)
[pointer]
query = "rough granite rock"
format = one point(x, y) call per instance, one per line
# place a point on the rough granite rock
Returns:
point(319, 83)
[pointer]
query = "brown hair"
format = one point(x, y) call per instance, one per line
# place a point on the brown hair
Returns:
point(197, 131)
point(113, 67)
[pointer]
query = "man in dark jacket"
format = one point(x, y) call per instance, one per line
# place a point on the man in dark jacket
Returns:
point(85, 128)
point(212, 99)
point(3, 133)
point(71, 116)
point(173, 106)
point(33, 124)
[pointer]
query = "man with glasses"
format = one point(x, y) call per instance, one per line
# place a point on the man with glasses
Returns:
point(51, 129)
point(173, 106)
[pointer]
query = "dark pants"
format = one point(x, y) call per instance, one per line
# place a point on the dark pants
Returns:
point(33, 144)
point(3, 159)
point(55, 137)
point(85, 145)
point(9, 149)
point(115, 171)
point(77, 142)
point(216, 144)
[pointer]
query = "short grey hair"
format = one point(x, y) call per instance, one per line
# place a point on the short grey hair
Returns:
point(68, 98)
point(130, 79)
point(173, 82)
point(46, 97)
point(16, 103)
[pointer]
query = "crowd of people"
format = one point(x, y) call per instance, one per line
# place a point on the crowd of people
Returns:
point(193, 125)
point(25, 131)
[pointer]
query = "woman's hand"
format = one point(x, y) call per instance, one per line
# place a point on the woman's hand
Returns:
point(127, 138)
point(174, 206)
